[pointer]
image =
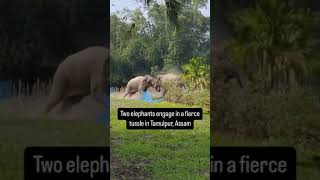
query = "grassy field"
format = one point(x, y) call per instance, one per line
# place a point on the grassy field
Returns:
point(276, 119)
point(158, 154)
point(139, 154)
point(16, 133)
point(308, 168)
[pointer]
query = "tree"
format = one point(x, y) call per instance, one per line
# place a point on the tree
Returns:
point(154, 46)
point(272, 37)
point(175, 7)
point(36, 35)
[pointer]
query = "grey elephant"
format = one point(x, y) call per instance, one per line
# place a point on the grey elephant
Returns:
point(139, 84)
point(81, 74)
point(163, 80)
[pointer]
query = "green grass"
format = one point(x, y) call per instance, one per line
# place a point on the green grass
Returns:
point(277, 119)
point(307, 167)
point(300, 130)
point(17, 133)
point(159, 154)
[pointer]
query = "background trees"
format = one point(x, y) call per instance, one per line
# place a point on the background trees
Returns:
point(196, 72)
point(272, 41)
point(155, 44)
point(276, 45)
point(36, 35)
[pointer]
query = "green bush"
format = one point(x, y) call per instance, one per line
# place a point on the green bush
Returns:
point(292, 115)
point(196, 73)
point(196, 98)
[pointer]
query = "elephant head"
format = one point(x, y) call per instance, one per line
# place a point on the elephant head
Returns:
point(158, 83)
point(149, 82)
point(163, 81)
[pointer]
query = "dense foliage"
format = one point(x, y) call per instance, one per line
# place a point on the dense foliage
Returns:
point(151, 44)
point(35, 35)
point(274, 42)
point(196, 73)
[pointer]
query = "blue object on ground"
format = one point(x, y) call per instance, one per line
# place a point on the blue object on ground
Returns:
point(105, 116)
point(147, 97)
point(5, 89)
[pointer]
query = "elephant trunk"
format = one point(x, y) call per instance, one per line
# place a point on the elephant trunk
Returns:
point(162, 91)
point(157, 88)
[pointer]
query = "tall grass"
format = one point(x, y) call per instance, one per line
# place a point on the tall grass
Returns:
point(294, 115)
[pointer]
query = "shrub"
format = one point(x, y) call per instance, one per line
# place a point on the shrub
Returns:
point(196, 73)
point(252, 113)
point(197, 98)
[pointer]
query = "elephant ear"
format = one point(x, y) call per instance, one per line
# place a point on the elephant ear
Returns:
point(147, 78)
point(150, 79)
point(158, 78)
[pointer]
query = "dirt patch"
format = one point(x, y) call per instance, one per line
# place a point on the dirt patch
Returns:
point(137, 95)
point(120, 95)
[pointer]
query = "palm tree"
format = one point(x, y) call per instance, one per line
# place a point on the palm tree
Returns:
point(272, 36)
point(174, 8)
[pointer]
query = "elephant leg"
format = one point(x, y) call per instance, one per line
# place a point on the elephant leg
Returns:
point(98, 88)
point(131, 94)
point(55, 97)
point(57, 91)
point(53, 101)
point(141, 89)
point(68, 102)
point(99, 96)
point(127, 92)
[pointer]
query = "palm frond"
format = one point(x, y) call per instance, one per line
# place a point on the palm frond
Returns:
point(174, 9)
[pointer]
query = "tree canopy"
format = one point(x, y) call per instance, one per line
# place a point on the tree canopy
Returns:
point(273, 41)
point(155, 45)
point(38, 34)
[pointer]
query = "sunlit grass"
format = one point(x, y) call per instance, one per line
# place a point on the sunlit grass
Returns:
point(161, 154)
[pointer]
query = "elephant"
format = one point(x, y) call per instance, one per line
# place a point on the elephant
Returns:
point(81, 74)
point(162, 80)
point(139, 84)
